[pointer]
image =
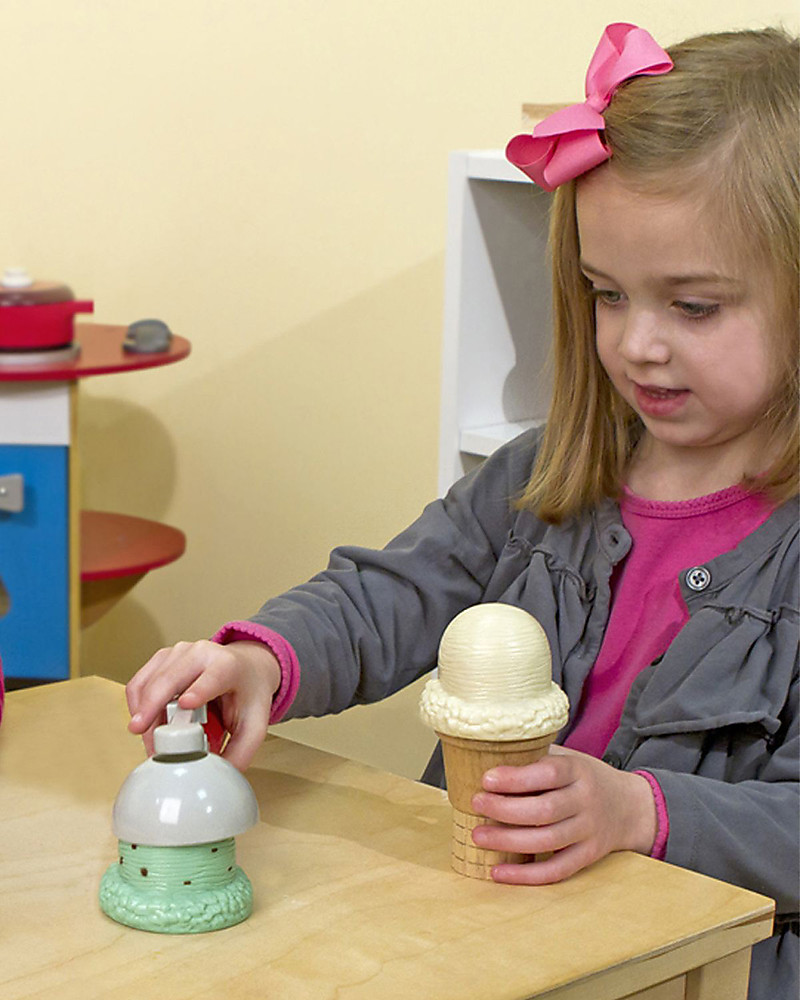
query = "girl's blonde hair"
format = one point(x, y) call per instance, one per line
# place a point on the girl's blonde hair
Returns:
point(722, 124)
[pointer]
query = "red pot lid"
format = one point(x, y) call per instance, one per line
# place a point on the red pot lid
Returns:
point(17, 288)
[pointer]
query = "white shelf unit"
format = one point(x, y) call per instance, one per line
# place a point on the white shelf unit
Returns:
point(497, 317)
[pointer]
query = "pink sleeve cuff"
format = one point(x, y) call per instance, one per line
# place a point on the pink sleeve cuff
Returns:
point(662, 817)
point(280, 649)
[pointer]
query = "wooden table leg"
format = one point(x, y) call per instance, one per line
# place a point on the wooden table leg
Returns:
point(727, 977)
point(673, 989)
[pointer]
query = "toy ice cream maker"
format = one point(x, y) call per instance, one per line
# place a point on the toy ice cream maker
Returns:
point(176, 817)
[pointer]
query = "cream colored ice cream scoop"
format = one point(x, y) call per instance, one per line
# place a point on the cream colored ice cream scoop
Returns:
point(494, 652)
point(495, 678)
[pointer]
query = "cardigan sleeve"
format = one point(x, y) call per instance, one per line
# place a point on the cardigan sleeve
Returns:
point(744, 832)
point(370, 623)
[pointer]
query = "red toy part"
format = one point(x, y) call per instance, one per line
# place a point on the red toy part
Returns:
point(215, 729)
point(41, 326)
point(100, 353)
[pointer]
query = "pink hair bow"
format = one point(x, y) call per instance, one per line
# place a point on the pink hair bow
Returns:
point(568, 143)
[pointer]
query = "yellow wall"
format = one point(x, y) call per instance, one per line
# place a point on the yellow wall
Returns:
point(269, 177)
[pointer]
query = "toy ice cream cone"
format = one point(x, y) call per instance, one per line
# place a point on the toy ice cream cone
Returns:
point(465, 763)
point(493, 703)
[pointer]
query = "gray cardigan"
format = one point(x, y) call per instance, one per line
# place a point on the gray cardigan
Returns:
point(715, 719)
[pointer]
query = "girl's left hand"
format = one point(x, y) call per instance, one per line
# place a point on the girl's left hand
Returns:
point(569, 803)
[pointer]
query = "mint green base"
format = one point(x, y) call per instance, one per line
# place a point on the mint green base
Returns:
point(147, 888)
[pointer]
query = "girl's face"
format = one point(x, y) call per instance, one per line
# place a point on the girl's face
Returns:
point(682, 331)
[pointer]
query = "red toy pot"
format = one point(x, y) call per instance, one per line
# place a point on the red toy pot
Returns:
point(38, 315)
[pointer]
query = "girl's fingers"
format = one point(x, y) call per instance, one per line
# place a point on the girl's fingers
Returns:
point(215, 676)
point(570, 804)
point(170, 674)
point(528, 839)
point(552, 771)
point(540, 809)
point(135, 686)
point(242, 678)
point(147, 739)
point(248, 737)
point(560, 866)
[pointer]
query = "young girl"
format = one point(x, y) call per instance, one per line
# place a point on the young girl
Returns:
point(655, 531)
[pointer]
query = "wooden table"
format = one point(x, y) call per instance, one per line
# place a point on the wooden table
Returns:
point(354, 897)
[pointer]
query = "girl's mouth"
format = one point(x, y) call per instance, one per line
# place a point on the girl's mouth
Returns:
point(658, 401)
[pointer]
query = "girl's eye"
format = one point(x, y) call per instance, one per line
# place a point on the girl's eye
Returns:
point(606, 297)
point(698, 310)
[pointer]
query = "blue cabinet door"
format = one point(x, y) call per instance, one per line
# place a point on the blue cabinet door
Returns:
point(34, 565)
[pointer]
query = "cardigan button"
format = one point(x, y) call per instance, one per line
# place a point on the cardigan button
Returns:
point(698, 578)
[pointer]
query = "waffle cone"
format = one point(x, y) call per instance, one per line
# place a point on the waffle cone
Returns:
point(465, 763)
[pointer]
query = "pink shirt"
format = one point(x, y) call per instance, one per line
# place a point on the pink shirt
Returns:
point(647, 609)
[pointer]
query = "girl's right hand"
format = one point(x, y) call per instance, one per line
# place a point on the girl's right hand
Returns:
point(243, 676)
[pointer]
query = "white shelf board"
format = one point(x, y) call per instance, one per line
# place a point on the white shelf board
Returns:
point(492, 165)
point(484, 441)
point(35, 413)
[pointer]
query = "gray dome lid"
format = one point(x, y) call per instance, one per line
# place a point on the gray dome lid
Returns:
point(183, 795)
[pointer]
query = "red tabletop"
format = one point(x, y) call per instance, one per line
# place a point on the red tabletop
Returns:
point(101, 353)
point(114, 545)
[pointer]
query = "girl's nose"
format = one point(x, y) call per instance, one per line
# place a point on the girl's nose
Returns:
point(642, 340)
